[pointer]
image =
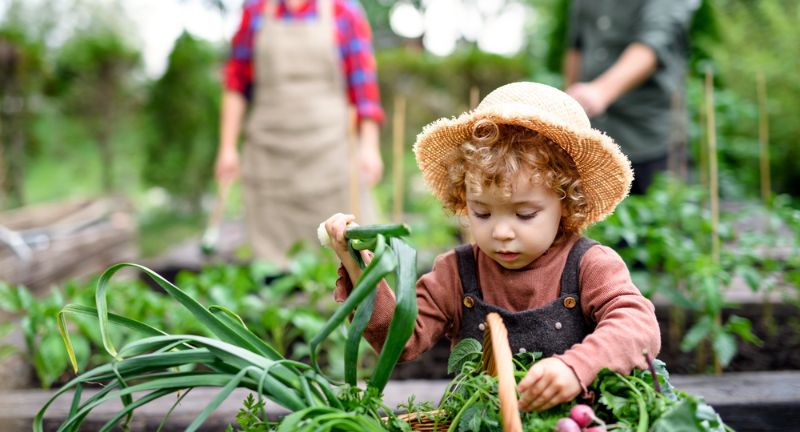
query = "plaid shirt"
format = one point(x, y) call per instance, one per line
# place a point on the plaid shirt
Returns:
point(354, 38)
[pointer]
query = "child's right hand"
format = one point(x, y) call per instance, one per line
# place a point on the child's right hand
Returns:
point(335, 226)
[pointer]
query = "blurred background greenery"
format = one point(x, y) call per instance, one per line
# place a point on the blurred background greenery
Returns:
point(80, 117)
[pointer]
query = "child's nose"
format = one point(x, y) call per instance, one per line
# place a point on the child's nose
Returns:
point(502, 231)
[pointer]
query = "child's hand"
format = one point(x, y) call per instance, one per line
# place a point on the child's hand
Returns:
point(548, 383)
point(336, 225)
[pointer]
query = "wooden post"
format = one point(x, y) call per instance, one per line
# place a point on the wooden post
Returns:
point(713, 177)
point(703, 147)
point(398, 129)
point(474, 95)
point(763, 137)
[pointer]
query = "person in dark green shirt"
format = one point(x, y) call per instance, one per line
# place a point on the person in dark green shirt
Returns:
point(626, 65)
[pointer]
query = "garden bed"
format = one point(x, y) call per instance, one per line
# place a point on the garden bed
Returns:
point(747, 401)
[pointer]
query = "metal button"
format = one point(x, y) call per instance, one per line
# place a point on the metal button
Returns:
point(481, 327)
point(523, 350)
point(469, 302)
point(570, 302)
point(604, 22)
point(558, 326)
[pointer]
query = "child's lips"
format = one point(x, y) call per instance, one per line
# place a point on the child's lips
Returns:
point(507, 256)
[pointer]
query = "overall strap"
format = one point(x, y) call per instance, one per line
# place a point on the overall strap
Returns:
point(570, 276)
point(467, 270)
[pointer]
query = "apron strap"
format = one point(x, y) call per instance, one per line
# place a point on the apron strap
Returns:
point(467, 270)
point(570, 276)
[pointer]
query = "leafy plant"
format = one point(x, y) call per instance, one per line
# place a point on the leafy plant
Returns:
point(624, 402)
point(159, 363)
point(183, 109)
point(667, 234)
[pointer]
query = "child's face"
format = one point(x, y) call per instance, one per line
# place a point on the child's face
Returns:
point(514, 230)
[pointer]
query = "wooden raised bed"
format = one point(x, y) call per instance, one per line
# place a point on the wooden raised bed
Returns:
point(48, 243)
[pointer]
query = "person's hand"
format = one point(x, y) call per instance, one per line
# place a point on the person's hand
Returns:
point(590, 96)
point(226, 169)
point(336, 225)
point(548, 383)
point(370, 164)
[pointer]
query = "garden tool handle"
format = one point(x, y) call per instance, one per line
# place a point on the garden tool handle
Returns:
point(497, 361)
point(218, 211)
point(210, 238)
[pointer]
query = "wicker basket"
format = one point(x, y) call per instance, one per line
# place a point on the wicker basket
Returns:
point(497, 362)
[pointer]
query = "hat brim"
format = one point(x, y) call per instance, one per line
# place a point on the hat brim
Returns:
point(605, 172)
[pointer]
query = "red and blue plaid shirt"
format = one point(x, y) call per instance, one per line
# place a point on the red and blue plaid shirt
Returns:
point(354, 38)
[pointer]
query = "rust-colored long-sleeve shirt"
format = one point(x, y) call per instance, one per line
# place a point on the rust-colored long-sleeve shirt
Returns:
point(626, 321)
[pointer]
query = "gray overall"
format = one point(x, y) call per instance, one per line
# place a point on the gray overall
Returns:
point(550, 329)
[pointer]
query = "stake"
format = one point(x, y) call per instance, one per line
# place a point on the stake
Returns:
point(474, 94)
point(763, 137)
point(713, 178)
point(398, 127)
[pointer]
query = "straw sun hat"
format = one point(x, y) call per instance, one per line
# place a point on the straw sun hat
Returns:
point(605, 172)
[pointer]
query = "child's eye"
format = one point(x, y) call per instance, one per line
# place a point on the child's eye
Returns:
point(527, 216)
point(481, 215)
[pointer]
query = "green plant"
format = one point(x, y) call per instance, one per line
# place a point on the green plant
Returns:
point(160, 363)
point(630, 402)
point(667, 234)
point(183, 109)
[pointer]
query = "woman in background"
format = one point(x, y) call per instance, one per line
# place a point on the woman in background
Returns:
point(294, 69)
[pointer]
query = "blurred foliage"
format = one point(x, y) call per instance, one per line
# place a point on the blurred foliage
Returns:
point(665, 237)
point(21, 70)
point(762, 38)
point(183, 110)
point(94, 83)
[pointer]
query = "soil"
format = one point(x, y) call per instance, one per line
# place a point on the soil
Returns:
point(779, 350)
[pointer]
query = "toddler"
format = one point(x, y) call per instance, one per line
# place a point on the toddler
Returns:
point(530, 174)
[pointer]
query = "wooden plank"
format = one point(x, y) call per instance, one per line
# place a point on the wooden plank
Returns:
point(751, 401)
point(84, 239)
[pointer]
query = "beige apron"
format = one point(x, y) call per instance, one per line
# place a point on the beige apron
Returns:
point(295, 166)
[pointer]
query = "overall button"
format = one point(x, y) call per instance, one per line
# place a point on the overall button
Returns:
point(558, 326)
point(469, 302)
point(569, 302)
point(481, 327)
point(522, 350)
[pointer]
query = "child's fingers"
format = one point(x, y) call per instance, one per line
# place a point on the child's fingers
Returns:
point(529, 379)
point(531, 388)
point(336, 226)
point(551, 397)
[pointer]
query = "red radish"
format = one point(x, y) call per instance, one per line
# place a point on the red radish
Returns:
point(567, 424)
point(582, 414)
point(595, 429)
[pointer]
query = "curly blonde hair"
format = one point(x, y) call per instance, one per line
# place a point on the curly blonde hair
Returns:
point(498, 152)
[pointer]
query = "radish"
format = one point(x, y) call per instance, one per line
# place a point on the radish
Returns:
point(582, 414)
point(567, 424)
point(595, 429)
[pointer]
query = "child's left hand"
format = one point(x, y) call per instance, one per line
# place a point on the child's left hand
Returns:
point(548, 383)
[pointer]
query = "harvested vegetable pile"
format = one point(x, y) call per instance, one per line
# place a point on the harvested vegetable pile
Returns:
point(621, 402)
